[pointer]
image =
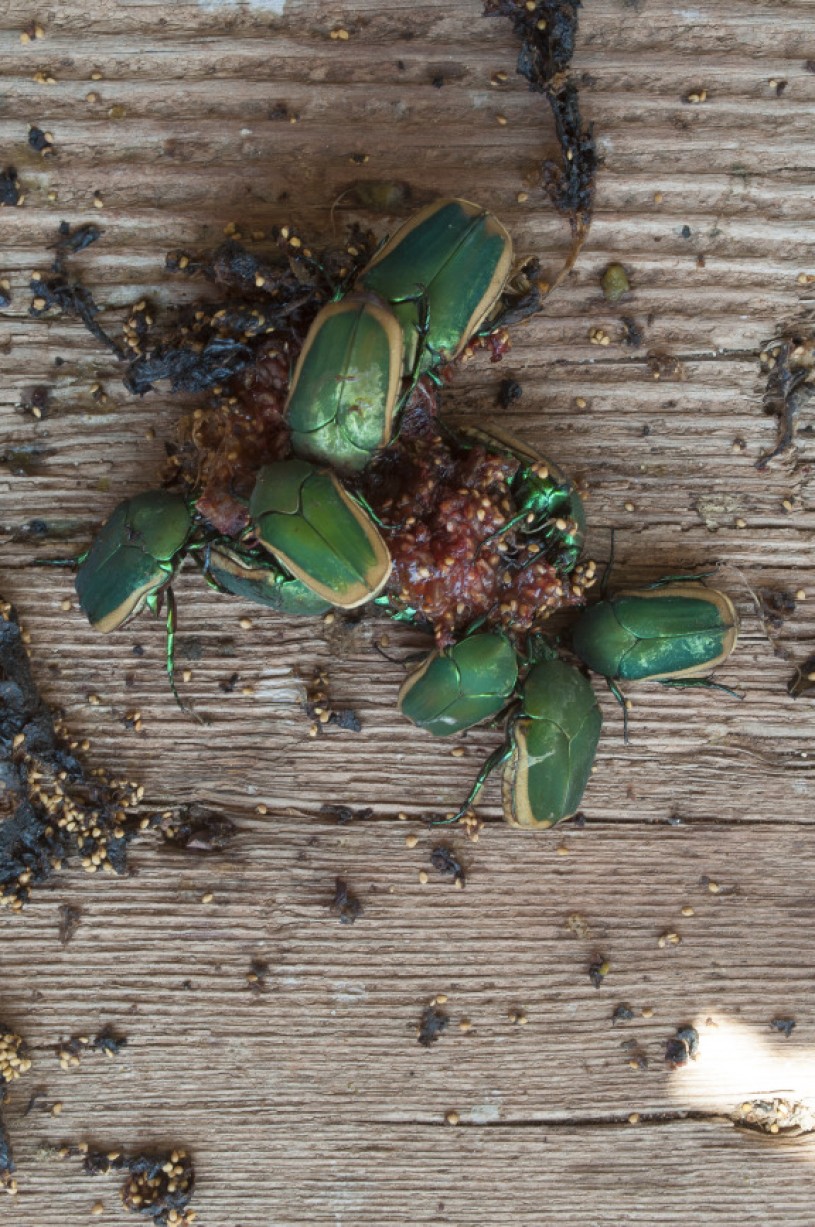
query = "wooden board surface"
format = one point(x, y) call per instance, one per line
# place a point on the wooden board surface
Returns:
point(312, 1102)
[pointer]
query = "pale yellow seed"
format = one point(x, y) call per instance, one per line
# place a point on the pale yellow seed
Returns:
point(452, 1118)
point(688, 911)
point(634, 1118)
point(98, 1207)
point(208, 897)
point(423, 878)
point(245, 624)
point(801, 595)
point(66, 604)
point(411, 841)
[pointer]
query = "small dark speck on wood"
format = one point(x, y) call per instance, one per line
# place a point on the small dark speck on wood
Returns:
point(345, 903)
point(431, 1025)
point(785, 1025)
point(682, 1047)
point(444, 859)
point(69, 919)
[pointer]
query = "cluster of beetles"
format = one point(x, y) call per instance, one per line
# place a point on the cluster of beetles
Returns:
point(312, 542)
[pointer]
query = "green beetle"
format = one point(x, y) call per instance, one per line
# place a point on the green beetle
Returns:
point(549, 750)
point(460, 686)
point(549, 509)
point(133, 558)
point(304, 517)
point(553, 742)
point(454, 256)
point(131, 563)
point(256, 577)
point(673, 630)
point(345, 388)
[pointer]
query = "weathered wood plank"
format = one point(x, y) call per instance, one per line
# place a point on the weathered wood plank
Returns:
point(312, 1102)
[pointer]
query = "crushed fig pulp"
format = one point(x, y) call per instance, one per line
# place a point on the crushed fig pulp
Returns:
point(441, 501)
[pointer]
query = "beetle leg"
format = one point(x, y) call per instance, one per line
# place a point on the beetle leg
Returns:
point(62, 562)
point(172, 622)
point(679, 579)
point(620, 697)
point(706, 682)
point(497, 757)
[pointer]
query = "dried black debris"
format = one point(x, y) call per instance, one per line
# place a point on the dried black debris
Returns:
point(10, 192)
point(790, 367)
point(60, 293)
point(51, 807)
point(633, 335)
point(547, 32)
point(321, 711)
point(228, 686)
point(803, 679)
point(431, 1025)
point(682, 1047)
point(70, 917)
point(345, 903)
point(40, 142)
point(158, 1186)
point(69, 241)
point(785, 1025)
point(444, 859)
point(70, 1051)
point(343, 814)
point(36, 401)
point(777, 604)
point(14, 1062)
point(197, 829)
point(206, 344)
point(598, 970)
point(622, 1014)
point(509, 390)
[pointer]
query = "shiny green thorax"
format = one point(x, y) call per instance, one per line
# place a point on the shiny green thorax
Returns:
point(549, 509)
point(133, 557)
point(553, 741)
point(455, 254)
point(305, 518)
point(670, 631)
point(256, 577)
point(346, 383)
point(460, 686)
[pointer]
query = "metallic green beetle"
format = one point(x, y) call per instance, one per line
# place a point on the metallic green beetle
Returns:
point(550, 511)
point(256, 577)
point(345, 387)
point(131, 563)
point(670, 631)
point(461, 685)
point(133, 558)
point(549, 750)
point(456, 257)
point(305, 518)
point(553, 744)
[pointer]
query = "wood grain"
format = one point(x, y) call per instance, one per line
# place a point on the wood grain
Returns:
point(312, 1102)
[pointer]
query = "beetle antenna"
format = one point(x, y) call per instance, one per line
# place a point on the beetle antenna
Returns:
point(609, 565)
point(705, 682)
